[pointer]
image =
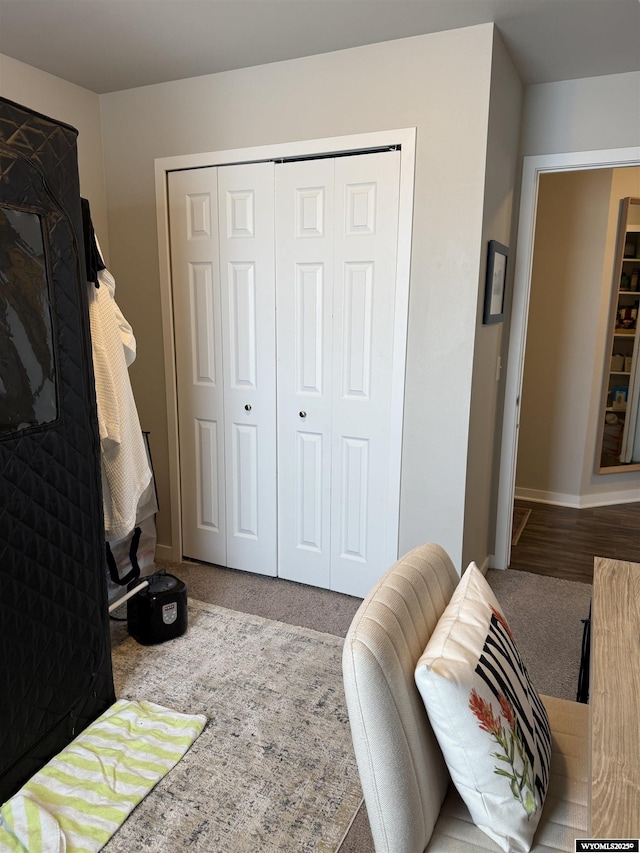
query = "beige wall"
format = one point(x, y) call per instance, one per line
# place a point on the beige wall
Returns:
point(438, 83)
point(569, 307)
point(564, 313)
point(75, 106)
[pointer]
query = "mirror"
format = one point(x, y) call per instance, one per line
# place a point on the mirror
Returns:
point(620, 445)
point(27, 366)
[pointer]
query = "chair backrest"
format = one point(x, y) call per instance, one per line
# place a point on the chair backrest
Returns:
point(403, 775)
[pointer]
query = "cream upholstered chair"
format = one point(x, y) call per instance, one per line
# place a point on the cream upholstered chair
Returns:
point(412, 806)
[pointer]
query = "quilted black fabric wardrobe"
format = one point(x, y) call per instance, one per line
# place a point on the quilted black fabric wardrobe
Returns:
point(55, 658)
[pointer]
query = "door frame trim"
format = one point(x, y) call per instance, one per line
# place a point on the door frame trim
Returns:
point(533, 167)
point(405, 139)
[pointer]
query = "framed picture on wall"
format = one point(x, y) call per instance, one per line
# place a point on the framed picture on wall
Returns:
point(495, 283)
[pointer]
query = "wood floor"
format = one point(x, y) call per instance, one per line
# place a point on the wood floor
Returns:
point(562, 542)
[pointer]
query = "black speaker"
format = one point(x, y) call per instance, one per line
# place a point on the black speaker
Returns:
point(159, 612)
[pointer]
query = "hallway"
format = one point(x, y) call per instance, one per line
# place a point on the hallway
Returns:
point(562, 542)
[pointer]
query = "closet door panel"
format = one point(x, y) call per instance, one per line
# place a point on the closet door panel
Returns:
point(365, 249)
point(207, 450)
point(244, 464)
point(353, 491)
point(357, 345)
point(304, 257)
point(246, 247)
point(241, 281)
point(193, 216)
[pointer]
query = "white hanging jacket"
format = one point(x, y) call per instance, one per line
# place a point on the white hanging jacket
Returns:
point(125, 467)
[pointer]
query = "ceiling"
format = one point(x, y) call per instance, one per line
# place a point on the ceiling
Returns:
point(109, 45)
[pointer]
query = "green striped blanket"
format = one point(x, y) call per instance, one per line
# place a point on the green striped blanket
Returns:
point(79, 799)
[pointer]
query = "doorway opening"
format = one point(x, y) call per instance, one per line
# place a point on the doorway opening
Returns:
point(534, 170)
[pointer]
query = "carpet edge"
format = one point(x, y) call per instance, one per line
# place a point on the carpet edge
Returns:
point(333, 639)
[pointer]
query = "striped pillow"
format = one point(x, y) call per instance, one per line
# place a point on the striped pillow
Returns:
point(489, 721)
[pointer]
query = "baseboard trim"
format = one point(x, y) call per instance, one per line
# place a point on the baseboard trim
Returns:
point(485, 565)
point(577, 501)
point(165, 552)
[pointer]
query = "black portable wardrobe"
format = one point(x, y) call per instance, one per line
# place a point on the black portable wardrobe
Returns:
point(55, 657)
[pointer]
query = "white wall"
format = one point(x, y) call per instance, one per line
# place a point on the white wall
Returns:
point(502, 176)
point(582, 115)
point(73, 105)
point(438, 83)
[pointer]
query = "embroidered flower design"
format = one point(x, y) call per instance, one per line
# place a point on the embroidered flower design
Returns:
point(510, 740)
point(484, 712)
point(502, 621)
point(507, 710)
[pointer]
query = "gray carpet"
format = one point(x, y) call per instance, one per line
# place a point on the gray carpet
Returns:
point(273, 598)
point(545, 615)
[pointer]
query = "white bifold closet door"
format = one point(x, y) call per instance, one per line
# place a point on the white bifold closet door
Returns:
point(286, 317)
point(222, 261)
point(336, 239)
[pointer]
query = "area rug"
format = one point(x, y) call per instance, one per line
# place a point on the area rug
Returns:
point(274, 769)
point(520, 518)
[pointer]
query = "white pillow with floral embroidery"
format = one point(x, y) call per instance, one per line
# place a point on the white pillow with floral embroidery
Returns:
point(489, 721)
